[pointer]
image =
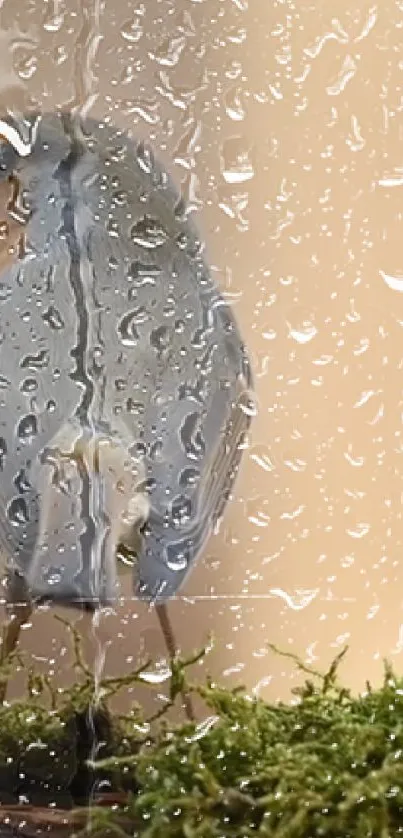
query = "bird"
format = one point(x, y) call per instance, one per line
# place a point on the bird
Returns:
point(126, 389)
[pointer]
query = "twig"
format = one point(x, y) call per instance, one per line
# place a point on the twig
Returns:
point(172, 647)
point(11, 636)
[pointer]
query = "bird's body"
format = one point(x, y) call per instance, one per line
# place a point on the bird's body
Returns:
point(124, 383)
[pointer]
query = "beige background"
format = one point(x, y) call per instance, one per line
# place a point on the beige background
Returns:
point(283, 123)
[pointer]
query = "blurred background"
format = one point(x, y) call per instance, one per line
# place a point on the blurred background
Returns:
point(282, 124)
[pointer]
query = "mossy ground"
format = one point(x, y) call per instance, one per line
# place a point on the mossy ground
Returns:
point(330, 765)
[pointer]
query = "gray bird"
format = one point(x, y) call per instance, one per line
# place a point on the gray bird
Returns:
point(125, 387)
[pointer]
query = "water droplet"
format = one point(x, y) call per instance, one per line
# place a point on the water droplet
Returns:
point(127, 329)
point(260, 454)
point(117, 154)
point(132, 30)
point(113, 263)
point(140, 315)
point(53, 318)
point(303, 332)
point(197, 392)
point(159, 338)
point(5, 292)
point(299, 599)
point(145, 158)
point(177, 556)
point(112, 228)
point(4, 231)
point(21, 482)
point(135, 408)
point(3, 452)
point(181, 510)
point(138, 450)
point(27, 427)
point(248, 406)
point(29, 385)
point(236, 165)
point(191, 436)
point(53, 21)
point(156, 450)
point(233, 105)
point(169, 309)
point(17, 512)
point(170, 51)
point(21, 134)
point(120, 384)
point(35, 362)
point(150, 485)
point(189, 477)
point(205, 363)
point(142, 274)
point(360, 530)
point(26, 66)
point(119, 198)
point(148, 233)
point(126, 556)
point(203, 728)
point(395, 282)
point(53, 575)
point(156, 677)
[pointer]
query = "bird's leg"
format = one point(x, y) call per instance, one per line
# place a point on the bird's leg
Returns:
point(19, 609)
point(172, 648)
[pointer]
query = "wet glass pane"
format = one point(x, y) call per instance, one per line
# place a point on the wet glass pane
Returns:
point(200, 403)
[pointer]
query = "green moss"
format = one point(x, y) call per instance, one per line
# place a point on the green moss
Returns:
point(329, 766)
point(35, 746)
